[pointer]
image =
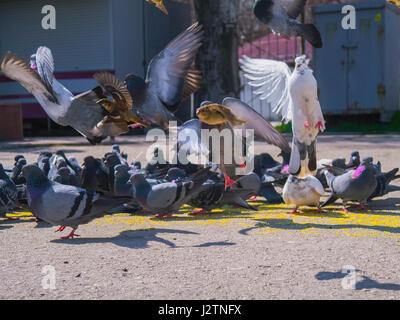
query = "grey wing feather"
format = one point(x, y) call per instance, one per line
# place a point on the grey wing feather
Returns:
point(171, 71)
point(293, 7)
point(189, 138)
point(45, 65)
point(262, 128)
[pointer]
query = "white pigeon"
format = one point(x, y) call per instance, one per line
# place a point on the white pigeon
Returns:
point(303, 192)
point(294, 97)
point(80, 112)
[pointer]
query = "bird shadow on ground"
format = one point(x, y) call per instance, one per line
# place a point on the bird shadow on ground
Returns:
point(213, 244)
point(365, 283)
point(134, 239)
point(5, 227)
point(288, 224)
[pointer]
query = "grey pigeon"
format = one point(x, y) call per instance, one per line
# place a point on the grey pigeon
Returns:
point(280, 16)
point(8, 193)
point(94, 175)
point(354, 185)
point(166, 198)
point(81, 112)
point(17, 170)
point(62, 205)
point(170, 79)
point(64, 176)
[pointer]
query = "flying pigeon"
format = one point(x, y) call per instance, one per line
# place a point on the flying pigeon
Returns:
point(354, 185)
point(280, 16)
point(170, 79)
point(81, 112)
point(305, 191)
point(236, 117)
point(8, 193)
point(62, 205)
point(294, 96)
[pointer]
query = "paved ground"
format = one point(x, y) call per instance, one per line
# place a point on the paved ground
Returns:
point(230, 254)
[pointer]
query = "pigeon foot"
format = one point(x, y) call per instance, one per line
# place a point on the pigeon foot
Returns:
point(61, 228)
point(293, 211)
point(320, 210)
point(198, 211)
point(164, 215)
point(229, 182)
point(319, 126)
point(306, 124)
point(71, 235)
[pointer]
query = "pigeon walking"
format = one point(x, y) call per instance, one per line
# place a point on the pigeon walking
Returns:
point(63, 205)
point(354, 185)
point(280, 16)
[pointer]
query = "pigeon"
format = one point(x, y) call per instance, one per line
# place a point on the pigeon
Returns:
point(62, 205)
point(44, 161)
point(94, 176)
point(122, 185)
point(353, 185)
point(81, 112)
point(64, 176)
point(16, 176)
point(383, 186)
point(355, 160)
point(294, 96)
point(280, 16)
point(8, 193)
point(159, 4)
point(166, 198)
point(236, 117)
point(305, 191)
point(170, 79)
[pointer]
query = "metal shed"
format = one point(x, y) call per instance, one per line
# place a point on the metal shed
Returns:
point(358, 70)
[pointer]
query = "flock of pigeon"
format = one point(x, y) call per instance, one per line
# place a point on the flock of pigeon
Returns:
point(59, 191)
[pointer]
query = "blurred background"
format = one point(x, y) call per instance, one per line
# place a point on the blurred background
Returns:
point(358, 71)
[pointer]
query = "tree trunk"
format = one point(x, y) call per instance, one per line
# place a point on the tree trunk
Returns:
point(218, 56)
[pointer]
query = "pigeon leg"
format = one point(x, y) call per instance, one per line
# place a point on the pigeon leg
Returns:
point(320, 210)
point(319, 125)
point(12, 218)
point(228, 182)
point(306, 124)
point(253, 198)
point(164, 215)
point(61, 228)
point(293, 211)
point(198, 211)
point(71, 235)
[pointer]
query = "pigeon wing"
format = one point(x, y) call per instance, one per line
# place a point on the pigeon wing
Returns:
point(170, 74)
point(20, 71)
point(45, 65)
point(262, 128)
point(271, 79)
point(292, 7)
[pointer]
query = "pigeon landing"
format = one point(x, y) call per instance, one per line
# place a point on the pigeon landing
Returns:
point(81, 112)
point(280, 16)
point(62, 205)
point(294, 97)
point(170, 79)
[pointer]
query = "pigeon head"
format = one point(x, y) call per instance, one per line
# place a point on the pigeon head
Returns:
point(21, 162)
point(137, 164)
point(33, 175)
point(140, 183)
point(60, 163)
point(121, 171)
point(174, 174)
point(32, 62)
point(111, 160)
point(115, 148)
point(302, 63)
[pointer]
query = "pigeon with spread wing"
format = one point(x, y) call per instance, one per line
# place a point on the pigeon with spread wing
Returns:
point(171, 78)
point(81, 112)
point(293, 96)
point(236, 117)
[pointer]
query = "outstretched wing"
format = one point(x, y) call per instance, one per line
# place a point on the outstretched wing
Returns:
point(271, 79)
point(115, 87)
point(170, 74)
point(293, 7)
point(45, 65)
point(262, 128)
point(189, 138)
point(20, 71)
